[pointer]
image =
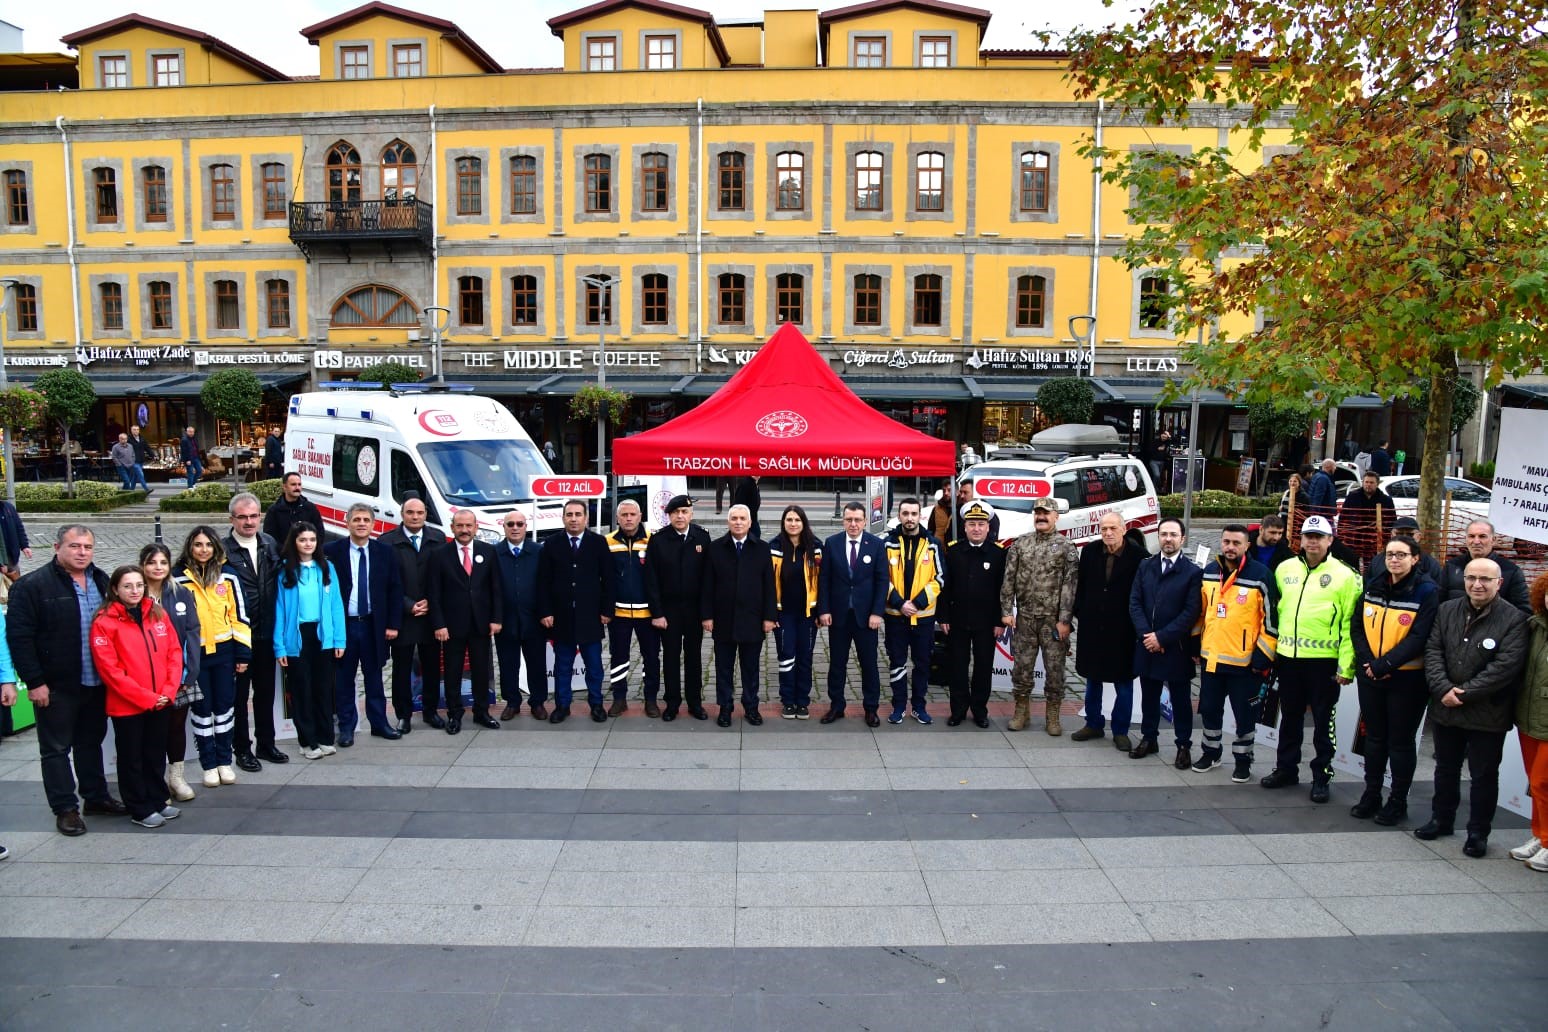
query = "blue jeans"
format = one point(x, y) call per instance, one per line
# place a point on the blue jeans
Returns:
point(139, 477)
point(794, 640)
point(905, 640)
point(1122, 707)
point(564, 671)
point(125, 476)
point(195, 472)
point(214, 716)
point(1182, 709)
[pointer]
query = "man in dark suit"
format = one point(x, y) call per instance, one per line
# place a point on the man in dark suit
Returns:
point(851, 593)
point(575, 601)
point(255, 557)
point(467, 606)
point(674, 565)
point(371, 587)
point(738, 610)
point(274, 453)
point(969, 613)
point(521, 642)
point(1164, 604)
point(413, 545)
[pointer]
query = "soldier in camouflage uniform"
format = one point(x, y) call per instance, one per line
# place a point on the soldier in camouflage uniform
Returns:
point(1041, 569)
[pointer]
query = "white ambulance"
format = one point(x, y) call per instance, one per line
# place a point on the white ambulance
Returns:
point(455, 451)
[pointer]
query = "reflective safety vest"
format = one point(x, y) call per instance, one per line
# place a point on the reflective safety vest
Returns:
point(1316, 607)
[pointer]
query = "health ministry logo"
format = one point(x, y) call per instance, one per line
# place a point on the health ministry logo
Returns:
point(782, 424)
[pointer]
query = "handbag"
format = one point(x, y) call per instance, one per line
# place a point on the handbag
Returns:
point(1270, 701)
point(187, 695)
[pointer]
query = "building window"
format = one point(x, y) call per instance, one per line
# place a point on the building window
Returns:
point(524, 300)
point(1034, 181)
point(602, 54)
point(276, 296)
point(354, 62)
point(599, 183)
point(653, 299)
point(599, 301)
point(790, 298)
point(113, 73)
point(273, 173)
point(375, 306)
point(927, 300)
point(470, 187)
point(26, 307)
point(731, 299)
point(523, 185)
point(222, 192)
point(106, 181)
point(870, 52)
point(654, 177)
point(869, 171)
point(228, 310)
point(1152, 303)
point(154, 181)
point(868, 300)
point(408, 61)
point(111, 298)
point(733, 181)
point(160, 292)
point(18, 206)
point(400, 172)
point(935, 52)
point(661, 52)
point(343, 164)
point(470, 300)
point(790, 180)
point(930, 181)
point(168, 68)
point(1031, 302)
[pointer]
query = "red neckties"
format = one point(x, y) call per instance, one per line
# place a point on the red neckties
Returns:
point(467, 560)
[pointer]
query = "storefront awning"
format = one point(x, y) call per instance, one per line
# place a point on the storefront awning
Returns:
point(1529, 391)
point(108, 386)
point(1023, 389)
point(1148, 392)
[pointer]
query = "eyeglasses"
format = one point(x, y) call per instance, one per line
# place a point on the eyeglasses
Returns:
point(513, 523)
point(1480, 580)
point(1400, 554)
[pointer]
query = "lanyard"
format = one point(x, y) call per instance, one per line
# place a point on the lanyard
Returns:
point(1225, 591)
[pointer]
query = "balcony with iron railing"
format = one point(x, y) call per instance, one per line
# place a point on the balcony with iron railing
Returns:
point(344, 224)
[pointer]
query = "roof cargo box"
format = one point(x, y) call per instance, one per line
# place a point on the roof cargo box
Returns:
point(1078, 439)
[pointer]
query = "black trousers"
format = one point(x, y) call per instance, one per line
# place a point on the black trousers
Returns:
point(967, 645)
point(683, 663)
point(71, 728)
point(618, 634)
point(142, 761)
point(1482, 751)
point(476, 651)
point(1303, 684)
point(403, 652)
point(309, 681)
point(258, 684)
point(1391, 711)
point(728, 655)
point(531, 654)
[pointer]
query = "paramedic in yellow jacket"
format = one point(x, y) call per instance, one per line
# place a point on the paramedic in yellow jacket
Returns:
point(795, 553)
point(1236, 650)
point(227, 640)
point(914, 580)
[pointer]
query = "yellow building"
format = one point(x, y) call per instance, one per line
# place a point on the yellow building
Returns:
point(917, 205)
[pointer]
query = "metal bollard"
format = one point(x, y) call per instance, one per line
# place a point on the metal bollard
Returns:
point(838, 506)
point(158, 529)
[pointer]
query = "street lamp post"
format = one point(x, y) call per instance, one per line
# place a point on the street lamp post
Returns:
point(6, 294)
point(1083, 329)
point(439, 321)
point(604, 310)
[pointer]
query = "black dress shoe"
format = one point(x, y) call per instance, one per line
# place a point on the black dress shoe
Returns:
point(248, 762)
point(1143, 748)
point(435, 720)
point(509, 712)
point(390, 733)
point(1279, 778)
point(698, 712)
point(652, 710)
point(405, 726)
point(832, 715)
point(345, 741)
point(599, 714)
point(454, 725)
point(1476, 845)
point(539, 711)
point(1431, 830)
point(953, 721)
point(724, 720)
point(485, 720)
point(668, 715)
point(270, 754)
point(752, 716)
point(560, 715)
point(1366, 808)
point(619, 708)
point(872, 718)
point(106, 807)
point(70, 823)
point(982, 722)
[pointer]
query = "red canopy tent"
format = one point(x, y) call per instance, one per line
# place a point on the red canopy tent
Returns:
point(785, 412)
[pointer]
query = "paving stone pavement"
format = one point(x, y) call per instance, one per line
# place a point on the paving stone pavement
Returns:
point(790, 876)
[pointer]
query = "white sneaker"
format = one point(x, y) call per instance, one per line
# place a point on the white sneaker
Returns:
point(170, 812)
point(328, 750)
point(310, 753)
point(227, 775)
point(212, 778)
point(155, 820)
point(1527, 850)
point(1540, 861)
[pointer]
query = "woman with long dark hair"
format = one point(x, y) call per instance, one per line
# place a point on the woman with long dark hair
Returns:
point(227, 643)
point(795, 554)
point(309, 635)
point(183, 611)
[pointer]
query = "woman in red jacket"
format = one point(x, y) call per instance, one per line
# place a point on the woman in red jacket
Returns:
point(140, 661)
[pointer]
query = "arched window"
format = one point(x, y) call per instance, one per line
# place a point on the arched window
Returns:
point(930, 181)
point(343, 164)
point(375, 305)
point(790, 174)
point(400, 172)
point(869, 169)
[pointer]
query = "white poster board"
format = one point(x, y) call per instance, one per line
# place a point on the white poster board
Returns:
point(1520, 504)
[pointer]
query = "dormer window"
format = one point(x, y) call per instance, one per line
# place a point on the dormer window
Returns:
point(602, 54)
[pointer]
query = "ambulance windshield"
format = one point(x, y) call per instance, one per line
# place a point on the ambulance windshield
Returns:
point(475, 473)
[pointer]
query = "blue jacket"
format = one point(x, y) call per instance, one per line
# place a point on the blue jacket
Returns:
point(519, 586)
point(1321, 494)
point(7, 668)
point(13, 535)
point(865, 591)
point(287, 613)
point(384, 584)
point(1169, 607)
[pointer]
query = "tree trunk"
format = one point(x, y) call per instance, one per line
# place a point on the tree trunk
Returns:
point(1437, 449)
point(69, 462)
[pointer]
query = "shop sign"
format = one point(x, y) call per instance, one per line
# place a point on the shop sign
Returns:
point(557, 358)
point(899, 358)
point(38, 361)
point(323, 358)
point(1150, 364)
point(235, 357)
point(1021, 360)
point(728, 356)
point(86, 354)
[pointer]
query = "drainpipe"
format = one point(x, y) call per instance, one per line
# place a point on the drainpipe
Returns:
point(1096, 232)
point(75, 278)
point(435, 247)
point(698, 248)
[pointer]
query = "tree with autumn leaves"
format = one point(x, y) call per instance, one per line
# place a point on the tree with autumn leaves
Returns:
point(1396, 236)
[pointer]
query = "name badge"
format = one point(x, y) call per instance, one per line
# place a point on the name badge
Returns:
point(865, 559)
point(478, 558)
point(1488, 643)
point(1220, 611)
point(986, 566)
